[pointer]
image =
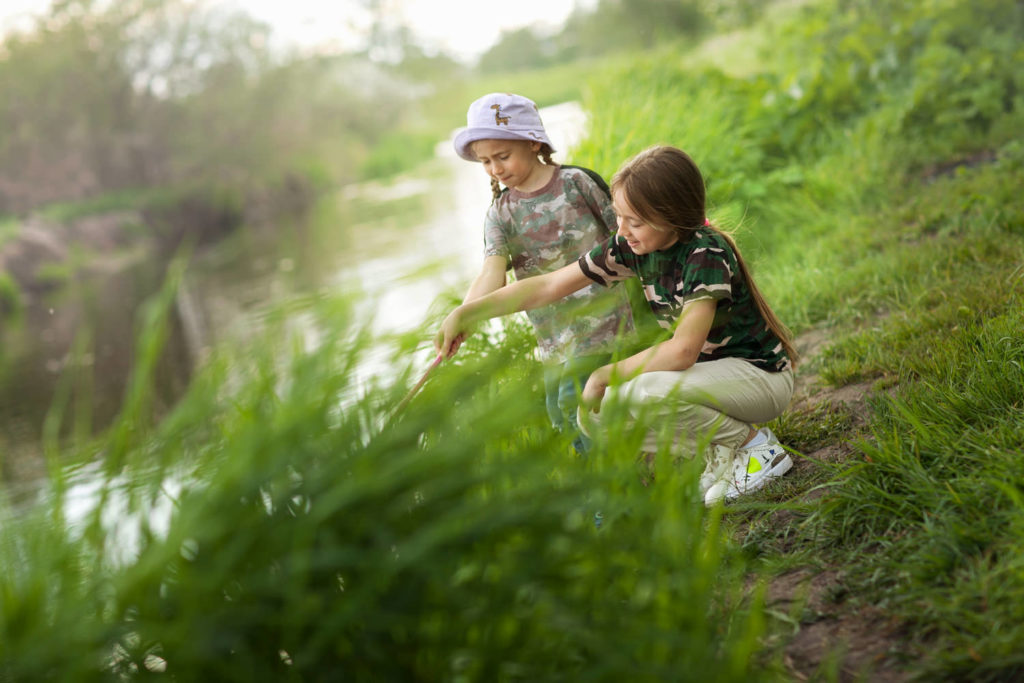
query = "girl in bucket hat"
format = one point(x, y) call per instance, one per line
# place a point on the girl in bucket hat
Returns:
point(546, 215)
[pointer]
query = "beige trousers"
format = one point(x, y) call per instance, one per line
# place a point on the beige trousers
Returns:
point(717, 401)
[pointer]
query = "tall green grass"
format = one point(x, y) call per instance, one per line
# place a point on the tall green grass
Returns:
point(282, 523)
point(937, 500)
point(874, 186)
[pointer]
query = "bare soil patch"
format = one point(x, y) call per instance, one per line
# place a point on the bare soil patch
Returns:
point(830, 631)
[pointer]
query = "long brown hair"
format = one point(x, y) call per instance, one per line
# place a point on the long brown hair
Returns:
point(545, 156)
point(665, 188)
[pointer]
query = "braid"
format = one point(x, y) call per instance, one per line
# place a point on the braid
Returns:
point(545, 154)
point(495, 188)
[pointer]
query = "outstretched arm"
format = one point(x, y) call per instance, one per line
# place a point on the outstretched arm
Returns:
point(678, 353)
point(521, 295)
point(490, 278)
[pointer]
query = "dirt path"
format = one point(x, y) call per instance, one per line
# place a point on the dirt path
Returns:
point(830, 631)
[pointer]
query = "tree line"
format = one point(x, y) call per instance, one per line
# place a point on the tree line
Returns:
point(112, 97)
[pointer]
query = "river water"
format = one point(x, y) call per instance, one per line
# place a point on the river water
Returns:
point(395, 246)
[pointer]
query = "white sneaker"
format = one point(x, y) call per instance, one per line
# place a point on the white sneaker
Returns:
point(719, 461)
point(716, 492)
point(757, 465)
point(717, 475)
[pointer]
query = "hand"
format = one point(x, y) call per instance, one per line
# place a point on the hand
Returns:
point(451, 335)
point(593, 391)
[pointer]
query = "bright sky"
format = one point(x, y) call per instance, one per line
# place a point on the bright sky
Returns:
point(463, 28)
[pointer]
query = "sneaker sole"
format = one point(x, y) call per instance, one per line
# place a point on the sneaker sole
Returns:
point(716, 492)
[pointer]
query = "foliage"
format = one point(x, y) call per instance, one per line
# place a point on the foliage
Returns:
point(106, 99)
point(393, 153)
point(10, 296)
point(940, 493)
point(8, 228)
point(288, 527)
point(943, 66)
point(871, 169)
point(517, 50)
point(612, 27)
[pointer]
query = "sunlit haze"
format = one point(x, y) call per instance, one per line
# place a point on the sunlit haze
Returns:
point(462, 28)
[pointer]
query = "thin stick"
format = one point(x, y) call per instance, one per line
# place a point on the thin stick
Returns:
point(419, 385)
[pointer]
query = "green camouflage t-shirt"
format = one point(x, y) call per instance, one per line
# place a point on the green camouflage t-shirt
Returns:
point(704, 267)
point(542, 231)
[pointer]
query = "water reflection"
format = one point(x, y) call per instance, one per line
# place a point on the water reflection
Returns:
point(39, 350)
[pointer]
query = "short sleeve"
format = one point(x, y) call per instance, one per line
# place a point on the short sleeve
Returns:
point(709, 275)
point(495, 239)
point(604, 264)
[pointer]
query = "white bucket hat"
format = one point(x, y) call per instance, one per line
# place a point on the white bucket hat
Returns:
point(500, 116)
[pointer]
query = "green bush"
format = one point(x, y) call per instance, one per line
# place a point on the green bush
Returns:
point(10, 295)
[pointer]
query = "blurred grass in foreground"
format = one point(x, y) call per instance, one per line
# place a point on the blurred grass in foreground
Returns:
point(279, 526)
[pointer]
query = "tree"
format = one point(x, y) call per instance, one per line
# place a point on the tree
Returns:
point(103, 97)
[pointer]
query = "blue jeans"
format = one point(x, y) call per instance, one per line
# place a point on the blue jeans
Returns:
point(563, 383)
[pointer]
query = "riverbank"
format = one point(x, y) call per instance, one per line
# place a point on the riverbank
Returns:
point(75, 281)
point(53, 246)
point(391, 247)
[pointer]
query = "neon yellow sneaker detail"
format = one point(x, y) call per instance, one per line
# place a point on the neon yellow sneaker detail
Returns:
point(757, 465)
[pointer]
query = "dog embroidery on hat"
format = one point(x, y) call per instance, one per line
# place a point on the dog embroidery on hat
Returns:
point(498, 118)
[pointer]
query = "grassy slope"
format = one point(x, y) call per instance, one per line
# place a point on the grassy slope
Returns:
point(897, 228)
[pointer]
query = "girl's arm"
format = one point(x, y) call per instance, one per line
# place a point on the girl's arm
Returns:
point(491, 278)
point(678, 353)
point(522, 295)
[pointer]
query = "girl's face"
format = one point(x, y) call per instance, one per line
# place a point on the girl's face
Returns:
point(642, 237)
point(513, 162)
